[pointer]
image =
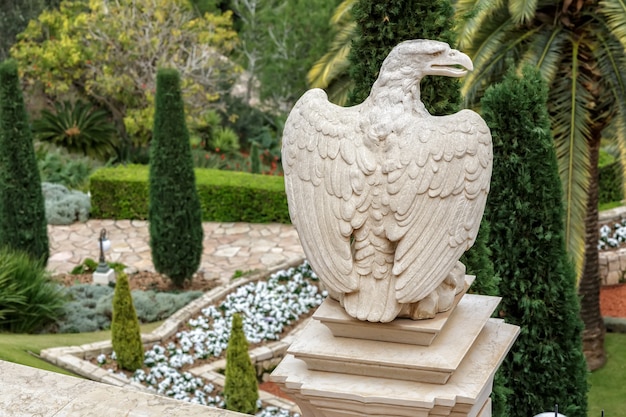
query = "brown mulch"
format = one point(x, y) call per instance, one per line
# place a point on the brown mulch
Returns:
point(145, 280)
point(613, 300)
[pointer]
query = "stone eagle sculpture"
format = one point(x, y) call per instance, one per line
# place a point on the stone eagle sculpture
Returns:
point(386, 197)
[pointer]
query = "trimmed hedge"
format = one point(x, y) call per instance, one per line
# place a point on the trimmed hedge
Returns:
point(225, 196)
point(610, 186)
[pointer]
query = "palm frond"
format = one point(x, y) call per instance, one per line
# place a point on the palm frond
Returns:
point(335, 62)
point(545, 52)
point(571, 121)
point(614, 12)
point(469, 16)
point(343, 13)
point(522, 11)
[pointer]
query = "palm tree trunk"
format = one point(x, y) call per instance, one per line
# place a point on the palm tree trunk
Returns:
point(589, 286)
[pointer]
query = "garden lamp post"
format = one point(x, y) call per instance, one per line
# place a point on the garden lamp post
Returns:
point(105, 245)
point(103, 275)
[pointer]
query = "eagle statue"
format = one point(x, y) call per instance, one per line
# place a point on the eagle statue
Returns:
point(386, 197)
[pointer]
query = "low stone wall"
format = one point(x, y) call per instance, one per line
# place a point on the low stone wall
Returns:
point(26, 391)
point(612, 262)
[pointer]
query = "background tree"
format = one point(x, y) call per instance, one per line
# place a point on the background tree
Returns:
point(14, 17)
point(125, 332)
point(109, 52)
point(23, 224)
point(241, 390)
point(383, 25)
point(579, 48)
point(174, 209)
point(546, 365)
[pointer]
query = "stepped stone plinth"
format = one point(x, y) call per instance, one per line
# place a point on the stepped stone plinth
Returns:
point(361, 375)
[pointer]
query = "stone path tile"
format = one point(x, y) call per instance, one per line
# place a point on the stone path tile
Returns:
point(228, 247)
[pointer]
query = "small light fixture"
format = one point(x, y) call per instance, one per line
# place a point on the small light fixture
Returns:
point(105, 245)
point(103, 275)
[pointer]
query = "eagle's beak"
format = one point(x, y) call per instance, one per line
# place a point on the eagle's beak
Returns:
point(451, 64)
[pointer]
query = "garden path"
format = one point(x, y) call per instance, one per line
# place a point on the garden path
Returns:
point(228, 247)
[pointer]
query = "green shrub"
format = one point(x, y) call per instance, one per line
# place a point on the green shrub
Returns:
point(225, 196)
point(546, 365)
point(241, 390)
point(175, 216)
point(78, 127)
point(610, 183)
point(125, 333)
point(65, 206)
point(28, 298)
point(151, 306)
point(62, 168)
point(22, 211)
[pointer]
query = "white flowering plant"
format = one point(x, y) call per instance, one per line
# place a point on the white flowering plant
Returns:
point(267, 308)
point(612, 237)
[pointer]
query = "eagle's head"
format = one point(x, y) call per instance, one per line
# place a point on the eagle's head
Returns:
point(415, 59)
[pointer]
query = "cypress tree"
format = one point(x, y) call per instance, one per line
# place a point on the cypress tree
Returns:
point(546, 365)
point(23, 224)
point(241, 390)
point(125, 332)
point(174, 209)
point(381, 25)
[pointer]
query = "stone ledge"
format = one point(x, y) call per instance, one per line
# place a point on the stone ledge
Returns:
point(29, 391)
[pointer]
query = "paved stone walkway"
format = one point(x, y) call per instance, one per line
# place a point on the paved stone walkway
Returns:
point(228, 247)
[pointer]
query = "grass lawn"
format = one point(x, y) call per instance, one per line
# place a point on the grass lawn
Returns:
point(608, 385)
point(16, 347)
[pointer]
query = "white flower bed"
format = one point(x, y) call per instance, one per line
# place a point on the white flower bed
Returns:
point(267, 307)
point(612, 237)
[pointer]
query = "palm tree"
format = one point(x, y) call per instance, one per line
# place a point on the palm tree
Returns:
point(330, 72)
point(580, 50)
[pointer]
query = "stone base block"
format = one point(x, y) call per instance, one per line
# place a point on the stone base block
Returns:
point(337, 394)
point(401, 330)
point(104, 278)
point(321, 351)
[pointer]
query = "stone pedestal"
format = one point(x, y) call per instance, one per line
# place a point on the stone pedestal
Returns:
point(339, 366)
point(104, 278)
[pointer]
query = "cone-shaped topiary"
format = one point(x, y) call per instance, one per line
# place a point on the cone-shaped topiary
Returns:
point(546, 365)
point(381, 25)
point(125, 333)
point(241, 390)
point(22, 209)
point(174, 214)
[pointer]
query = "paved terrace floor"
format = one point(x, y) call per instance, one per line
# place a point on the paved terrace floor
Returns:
point(228, 247)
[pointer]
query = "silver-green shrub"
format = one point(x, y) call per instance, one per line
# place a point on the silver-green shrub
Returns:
point(64, 206)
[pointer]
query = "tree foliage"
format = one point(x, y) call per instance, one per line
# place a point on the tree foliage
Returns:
point(546, 365)
point(22, 209)
point(125, 332)
point(241, 390)
point(174, 208)
point(383, 25)
point(14, 17)
point(280, 39)
point(109, 52)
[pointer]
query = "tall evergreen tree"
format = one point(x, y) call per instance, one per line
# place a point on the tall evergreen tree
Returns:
point(22, 211)
point(381, 25)
point(241, 390)
point(174, 213)
point(546, 365)
point(125, 332)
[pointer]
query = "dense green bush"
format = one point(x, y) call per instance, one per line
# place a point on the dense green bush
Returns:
point(59, 167)
point(90, 307)
point(174, 209)
point(22, 211)
point(546, 365)
point(610, 185)
point(65, 206)
point(125, 333)
point(241, 390)
point(28, 298)
point(225, 196)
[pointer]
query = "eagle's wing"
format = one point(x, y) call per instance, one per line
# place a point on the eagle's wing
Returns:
point(437, 186)
point(325, 166)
